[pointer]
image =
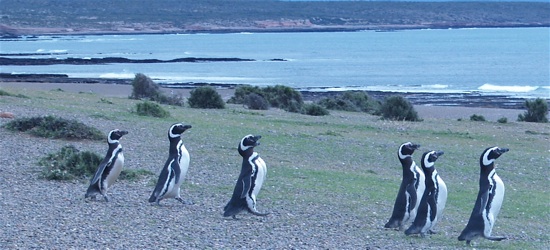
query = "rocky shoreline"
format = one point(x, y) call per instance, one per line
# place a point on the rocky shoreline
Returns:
point(466, 99)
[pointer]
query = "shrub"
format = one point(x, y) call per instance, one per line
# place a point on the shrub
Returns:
point(144, 88)
point(205, 97)
point(477, 118)
point(398, 108)
point(315, 110)
point(256, 101)
point(134, 174)
point(69, 163)
point(242, 92)
point(55, 127)
point(354, 101)
point(151, 109)
point(537, 111)
point(5, 93)
point(284, 97)
point(502, 120)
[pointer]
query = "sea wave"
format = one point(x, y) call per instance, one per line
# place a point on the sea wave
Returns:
point(514, 88)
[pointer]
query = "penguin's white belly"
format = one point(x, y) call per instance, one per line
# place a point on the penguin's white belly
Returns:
point(491, 214)
point(261, 174)
point(115, 171)
point(174, 187)
point(420, 179)
point(441, 196)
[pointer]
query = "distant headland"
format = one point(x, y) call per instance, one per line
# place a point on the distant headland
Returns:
point(47, 17)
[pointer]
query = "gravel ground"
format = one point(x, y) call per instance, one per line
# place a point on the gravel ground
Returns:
point(37, 213)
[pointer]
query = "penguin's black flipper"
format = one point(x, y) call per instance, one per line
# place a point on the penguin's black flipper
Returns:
point(93, 189)
point(411, 190)
point(161, 184)
point(247, 183)
point(484, 200)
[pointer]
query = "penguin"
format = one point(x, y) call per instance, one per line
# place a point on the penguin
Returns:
point(411, 189)
point(433, 200)
point(110, 167)
point(173, 173)
point(250, 181)
point(489, 199)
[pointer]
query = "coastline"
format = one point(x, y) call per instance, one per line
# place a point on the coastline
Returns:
point(488, 106)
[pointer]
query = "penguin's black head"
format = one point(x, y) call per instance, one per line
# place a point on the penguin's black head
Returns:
point(177, 129)
point(249, 141)
point(115, 135)
point(491, 154)
point(407, 149)
point(429, 158)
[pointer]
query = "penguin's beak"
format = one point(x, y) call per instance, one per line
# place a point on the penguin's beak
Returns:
point(186, 127)
point(415, 146)
point(439, 153)
point(501, 151)
point(257, 139)
point(123, 132)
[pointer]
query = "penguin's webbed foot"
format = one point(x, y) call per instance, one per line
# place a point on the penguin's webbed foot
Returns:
point(106, 198)
point(184, 202)
point(235, 217)
point(432, 231)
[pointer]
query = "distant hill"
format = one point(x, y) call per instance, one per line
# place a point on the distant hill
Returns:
point(33, 17)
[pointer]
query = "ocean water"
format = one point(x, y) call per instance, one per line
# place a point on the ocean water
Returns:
point(504, 61)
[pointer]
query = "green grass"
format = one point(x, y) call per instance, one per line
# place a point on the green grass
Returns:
point(351, 156)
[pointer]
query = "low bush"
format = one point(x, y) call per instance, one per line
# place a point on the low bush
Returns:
point(144, 88)
point(398, 108)
point(5, 93)
point(151, 109)
point(205, 97)
point(69, 163)
point(537, 111)
point(55, 127)
point(355, 101)
point(134, 174)
point(315, 110)
point(242, 93)
point(284, 97)
point(502, 120)
point(477, 118)
point(277, 96)
point(256, 101)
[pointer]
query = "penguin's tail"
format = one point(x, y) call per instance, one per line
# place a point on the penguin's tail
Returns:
point(231, 210)
point(495, 238)
point(92, 191)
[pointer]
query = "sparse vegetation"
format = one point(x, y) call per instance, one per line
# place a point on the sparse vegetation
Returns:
point(315, 110)
point(537, 111)
point(477, 118)
point(134, 174)
point(144, 88)
point(54, 127)
point(6, 93)
point(256, 101)
point(398, 108)
point(502, 120)
point(69, 164)
point(277, 96)
point(356, 101)
point(151, 109)
point(205, 97)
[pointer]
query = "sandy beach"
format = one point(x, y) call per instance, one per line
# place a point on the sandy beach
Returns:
point(122, 91)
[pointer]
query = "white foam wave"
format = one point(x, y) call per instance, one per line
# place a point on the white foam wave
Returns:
point(436, 86)
point(514, 88)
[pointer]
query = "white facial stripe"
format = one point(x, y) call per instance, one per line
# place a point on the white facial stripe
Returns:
point(402, 156)
point(486, 160)
point(109, 138)
point(243, 147)
point(427, 163)
point(170, 131)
